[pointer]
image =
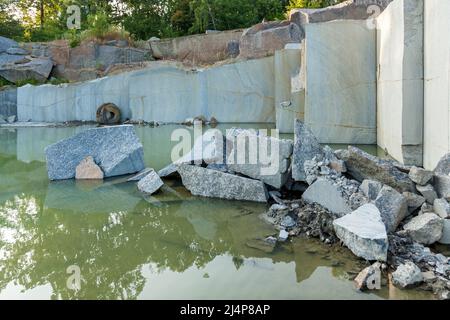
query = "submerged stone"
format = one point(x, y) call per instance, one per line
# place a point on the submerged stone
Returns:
point(116, 150)
point(150, 183)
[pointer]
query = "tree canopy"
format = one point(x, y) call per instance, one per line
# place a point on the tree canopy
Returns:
point(43, 20)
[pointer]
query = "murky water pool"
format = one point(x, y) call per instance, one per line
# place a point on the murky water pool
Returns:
point(169, 246)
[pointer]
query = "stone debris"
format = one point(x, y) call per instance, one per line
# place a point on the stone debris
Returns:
point(306, 147)
point(393, 207)
point(442, 185)
point(369, 278)
point(428, 192)
point(371, 188)
point(425, 228)
point(88, 170)
point(407, 275)
point(116, 150)
point(364, 233)
point(442, 208)
point(443, 166)
point(413, 200)
point(361, 165)
point(420, 176)
point(270, 166)
point(283, 236)
point(331, 195)
point(211, 183)
point(150, 183)
point(445, 239)
point(426, 207)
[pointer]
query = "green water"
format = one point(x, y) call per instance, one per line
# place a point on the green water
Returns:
point(169, 246)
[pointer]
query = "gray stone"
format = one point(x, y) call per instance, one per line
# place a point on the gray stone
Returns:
point(442, 208)
point(425, 228)
point(211, 183)
point(442, 185)
point(364, 233)
point(8, 101)
point(329, 195)
point(420, 176)
point(443, 166)
point(445, 239)
point(393, 207)
point(283, 236)
point(218, 167)
point(362, 165)
point(306, 147)
point(407, 275)
point(369, 277)
point(6, 43)
point(167, 171)
point(140, 175)
point(150, 183)
point(17, 51)
point(251, 160)
point(117, 150)
point(287, 222)
point(428, 192)
point(38, 69)
point(426, 208)
point(413, 200)
point(371, 188)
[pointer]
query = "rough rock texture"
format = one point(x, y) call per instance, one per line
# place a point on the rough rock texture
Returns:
point(445, 239)
point(35, 68)
point(117, 150)
point(425, 228)
point(362, 165)
point(88, 170)
point(420, 176)
point(371, 188)
point(259, 157)
point(413, 200)
point(407, 275)
point(442, 185)
point(340, 100)
point(329, 195)
point(198, 49)
point(442, 208)
point(6, 43)
point(8, 101)
point(428, 192)
point(369, 278)
point(265, 38)
point(211, 183)
point(150, 183)
point(364, 233)
point(443, 166)
point(306, 147)
point(393, 207)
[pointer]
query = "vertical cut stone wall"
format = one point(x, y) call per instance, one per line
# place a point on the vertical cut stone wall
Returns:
point(437, 81)
point(400, 80)
point(340, 104)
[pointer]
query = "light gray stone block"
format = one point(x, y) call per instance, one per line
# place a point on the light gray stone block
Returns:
point(407, 275)
point(150, 183)
point(364, 233)
point(393, 207)
point(425, 228)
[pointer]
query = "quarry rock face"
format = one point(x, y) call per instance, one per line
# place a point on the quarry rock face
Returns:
point(116, 150)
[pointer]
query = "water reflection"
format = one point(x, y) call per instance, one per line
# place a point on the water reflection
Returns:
point(171, 245)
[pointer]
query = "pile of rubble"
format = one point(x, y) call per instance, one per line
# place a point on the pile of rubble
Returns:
point(381, 210)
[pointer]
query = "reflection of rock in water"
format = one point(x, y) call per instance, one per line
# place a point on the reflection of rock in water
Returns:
point(88, 197)
point(31, 142)
point(8, 141)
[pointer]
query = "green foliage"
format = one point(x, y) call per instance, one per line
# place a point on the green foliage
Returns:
point(293, 4)
point(23, 82)
point(4, 82)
